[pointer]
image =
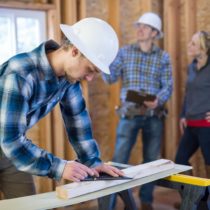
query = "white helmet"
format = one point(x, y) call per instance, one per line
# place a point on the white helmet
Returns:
point(152, 20)
point(96, 39)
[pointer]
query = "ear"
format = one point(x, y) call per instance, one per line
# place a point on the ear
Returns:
point(75, 52)
point(154, 33)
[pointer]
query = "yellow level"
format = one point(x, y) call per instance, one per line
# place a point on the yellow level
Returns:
point(186, 179)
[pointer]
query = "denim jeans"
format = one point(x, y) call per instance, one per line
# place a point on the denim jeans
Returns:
point(192, 139)
point(127, 132)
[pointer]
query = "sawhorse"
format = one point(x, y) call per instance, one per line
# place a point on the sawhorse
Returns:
point(194, 191)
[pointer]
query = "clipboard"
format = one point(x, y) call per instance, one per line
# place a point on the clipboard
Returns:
point(139, 97)
point(104, 176)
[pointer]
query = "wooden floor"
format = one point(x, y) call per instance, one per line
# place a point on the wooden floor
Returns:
point(164, 199)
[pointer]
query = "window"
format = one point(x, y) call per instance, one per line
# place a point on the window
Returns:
point(20, 31)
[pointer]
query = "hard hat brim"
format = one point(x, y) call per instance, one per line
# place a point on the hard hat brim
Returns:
point(73, 36)
point(160, 34)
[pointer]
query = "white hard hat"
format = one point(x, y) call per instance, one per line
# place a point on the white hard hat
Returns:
point(96, 40)
point(152, 20)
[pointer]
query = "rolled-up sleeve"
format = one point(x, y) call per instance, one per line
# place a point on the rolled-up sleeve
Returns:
point(116, 69)
point(166, 79)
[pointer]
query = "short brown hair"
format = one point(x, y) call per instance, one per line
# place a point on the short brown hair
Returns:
point(66, 43)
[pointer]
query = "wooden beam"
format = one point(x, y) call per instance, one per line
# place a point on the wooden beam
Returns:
point(57, 128)
point(51, 26)
point(45, 141)
point(114, 90)
point(82, 9)
point(26, 5)
point(56, 20)
point(69, 11)
point(114, 14)
point(81, 13)
point(190, 17)
point(171, 42)
point(58, 133)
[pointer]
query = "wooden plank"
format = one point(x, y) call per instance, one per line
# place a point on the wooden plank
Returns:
point(80, 188)
point(26, 5)
point(49, 200)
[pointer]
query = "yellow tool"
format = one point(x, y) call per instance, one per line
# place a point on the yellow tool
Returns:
point(186, 179)
point(194, 191)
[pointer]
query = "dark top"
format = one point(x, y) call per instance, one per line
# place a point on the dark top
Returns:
point(197, 95)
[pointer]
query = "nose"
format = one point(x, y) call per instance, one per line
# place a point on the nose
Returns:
point(139, 28)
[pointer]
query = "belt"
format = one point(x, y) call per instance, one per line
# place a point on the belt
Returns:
point(130, 110)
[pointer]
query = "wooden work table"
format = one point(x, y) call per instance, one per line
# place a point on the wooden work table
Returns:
point(49, 200)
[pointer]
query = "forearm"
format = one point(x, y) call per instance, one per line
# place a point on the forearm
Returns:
point(166, 80)
point(80, 136)
point(164, 95)
point(87, 152)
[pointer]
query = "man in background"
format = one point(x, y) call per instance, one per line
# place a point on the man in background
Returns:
point(146, 69)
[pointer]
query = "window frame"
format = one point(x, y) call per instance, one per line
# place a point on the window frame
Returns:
point(13, 14)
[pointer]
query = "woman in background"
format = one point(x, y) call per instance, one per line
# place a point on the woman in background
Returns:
point(195, 117)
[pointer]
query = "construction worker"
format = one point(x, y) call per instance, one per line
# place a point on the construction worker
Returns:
point(195, 116)
point(145, 68)
point(31, 84)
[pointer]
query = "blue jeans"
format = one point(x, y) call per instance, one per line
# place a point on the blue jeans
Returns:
point(127, 132)
point(192, 139)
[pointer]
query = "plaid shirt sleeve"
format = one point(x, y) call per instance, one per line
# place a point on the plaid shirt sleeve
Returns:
point(116, 68)
point(166, 79)
point(14, 96)
point(78, 126)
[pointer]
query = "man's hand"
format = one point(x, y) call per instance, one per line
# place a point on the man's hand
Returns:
point(208, 116)
point(75, 171)
point(182, 125)
point(113, 171)
point(151, 104)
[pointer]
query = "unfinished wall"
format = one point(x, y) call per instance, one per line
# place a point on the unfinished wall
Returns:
point(102, 98)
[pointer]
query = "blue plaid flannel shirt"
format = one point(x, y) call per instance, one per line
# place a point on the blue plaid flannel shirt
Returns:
point(29, 90)
point(139, 71)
